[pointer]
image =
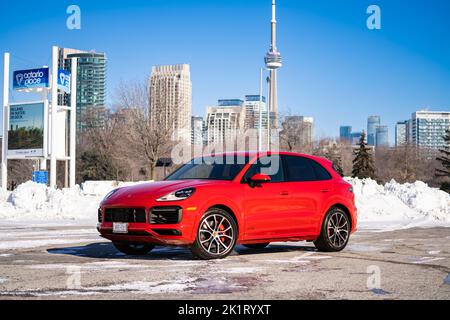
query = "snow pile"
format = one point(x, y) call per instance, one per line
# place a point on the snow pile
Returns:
point(400, 205)
point(101, 188)
point(37, 202)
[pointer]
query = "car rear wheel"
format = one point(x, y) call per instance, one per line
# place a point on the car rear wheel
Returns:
point(216, 235)
point(335, 231)
point(256, 245)
point(133, 249)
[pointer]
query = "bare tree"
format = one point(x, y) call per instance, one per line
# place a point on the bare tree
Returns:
point(295, 136)
point(146, 139)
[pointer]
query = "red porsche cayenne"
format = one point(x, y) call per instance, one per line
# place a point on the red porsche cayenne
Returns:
point(214, 202)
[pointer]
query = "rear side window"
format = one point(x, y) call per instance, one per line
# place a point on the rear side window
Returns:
point(298, 169)
point(321, 173)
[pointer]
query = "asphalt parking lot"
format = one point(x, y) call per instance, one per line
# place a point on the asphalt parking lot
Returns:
point(73, 262)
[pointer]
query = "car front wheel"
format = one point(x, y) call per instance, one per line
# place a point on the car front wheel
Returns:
point(216, 235)
point(335, 231)
point(133, 249)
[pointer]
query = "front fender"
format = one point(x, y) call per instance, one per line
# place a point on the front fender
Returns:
point(219, 201)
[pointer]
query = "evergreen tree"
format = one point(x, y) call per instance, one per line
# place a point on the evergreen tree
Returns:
point(444, 172)
point(363, 164)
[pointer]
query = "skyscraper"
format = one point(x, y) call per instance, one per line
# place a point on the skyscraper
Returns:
point(345, 133)
point(428, 128)
point(401, 133)
point(224, 121)
point(198, 130)
point(91, 86)
point(273, 62)
point(372, 123)
point(302, 127)
point(382, 136)
point(171, 100)
point(253, 104)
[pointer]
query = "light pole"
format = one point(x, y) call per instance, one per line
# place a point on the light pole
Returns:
point(5, 121)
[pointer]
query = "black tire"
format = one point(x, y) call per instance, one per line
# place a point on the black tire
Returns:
point(256, 245)
point(335, 231)
point(133, 249)
point(220, 228)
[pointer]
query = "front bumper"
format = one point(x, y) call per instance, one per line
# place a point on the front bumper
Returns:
point(179, 234)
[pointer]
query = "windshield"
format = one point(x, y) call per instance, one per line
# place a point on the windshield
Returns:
point(210, 168)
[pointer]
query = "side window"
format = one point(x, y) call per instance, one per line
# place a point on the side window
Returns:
point(271, 166)
point(321, 173)
point(299, 169)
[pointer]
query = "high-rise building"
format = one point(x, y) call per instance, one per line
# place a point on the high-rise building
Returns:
point(372, 123)
point(224, 121)
point(345, 133)
point(382, 136)
point(401, 133)
point(91, 86)
point(198, 131)
point(171, 100)
point(301, 126)
point(428, 128)
point(253, 105)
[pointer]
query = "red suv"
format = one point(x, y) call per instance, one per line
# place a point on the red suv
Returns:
point(214, 202)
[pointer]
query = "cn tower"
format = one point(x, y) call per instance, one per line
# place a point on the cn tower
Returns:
point(273, 63)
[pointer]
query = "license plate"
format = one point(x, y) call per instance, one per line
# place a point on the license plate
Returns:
point(120, 227)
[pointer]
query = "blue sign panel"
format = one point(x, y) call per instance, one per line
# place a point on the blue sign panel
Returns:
point(64, 80)
point(30, 79)
point(40, 177)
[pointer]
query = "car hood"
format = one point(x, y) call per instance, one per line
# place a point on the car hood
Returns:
point(154, 190)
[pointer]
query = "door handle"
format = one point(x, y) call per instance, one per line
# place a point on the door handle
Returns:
point(325, 190)
point(284, 193)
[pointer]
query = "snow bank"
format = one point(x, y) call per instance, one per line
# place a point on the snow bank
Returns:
point(37, 202)
point(397, 205)
point(391, 206)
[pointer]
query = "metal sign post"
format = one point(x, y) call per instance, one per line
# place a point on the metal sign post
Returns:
point(5, 121)
point(53, 114)
point(73, 121)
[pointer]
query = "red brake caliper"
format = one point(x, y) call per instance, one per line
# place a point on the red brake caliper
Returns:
point(221, 228)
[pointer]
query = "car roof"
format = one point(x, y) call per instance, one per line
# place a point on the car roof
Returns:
point(252, 154)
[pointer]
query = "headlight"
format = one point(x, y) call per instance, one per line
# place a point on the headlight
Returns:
point(182, 194)
point(109, 195)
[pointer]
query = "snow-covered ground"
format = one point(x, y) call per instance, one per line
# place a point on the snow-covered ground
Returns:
point(389, 207)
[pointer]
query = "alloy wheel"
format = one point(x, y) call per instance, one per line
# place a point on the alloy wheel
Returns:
point(216, 234)
point(338, 229)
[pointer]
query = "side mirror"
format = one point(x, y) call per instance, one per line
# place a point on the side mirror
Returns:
point(260, 178)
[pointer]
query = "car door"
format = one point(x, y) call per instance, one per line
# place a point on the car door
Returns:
point(267, 207)
point(309, 184)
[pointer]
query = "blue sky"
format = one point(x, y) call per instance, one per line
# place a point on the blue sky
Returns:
point(335, 69)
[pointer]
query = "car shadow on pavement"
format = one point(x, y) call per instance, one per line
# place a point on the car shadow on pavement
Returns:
point(105, 250)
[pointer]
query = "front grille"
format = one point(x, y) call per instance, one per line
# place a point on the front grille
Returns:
point(165, 215)
point(125, 215)
point(99, 215)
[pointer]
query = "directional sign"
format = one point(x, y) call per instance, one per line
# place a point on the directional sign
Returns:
point(40, 177)
point(64, 80)
point(31, 79)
